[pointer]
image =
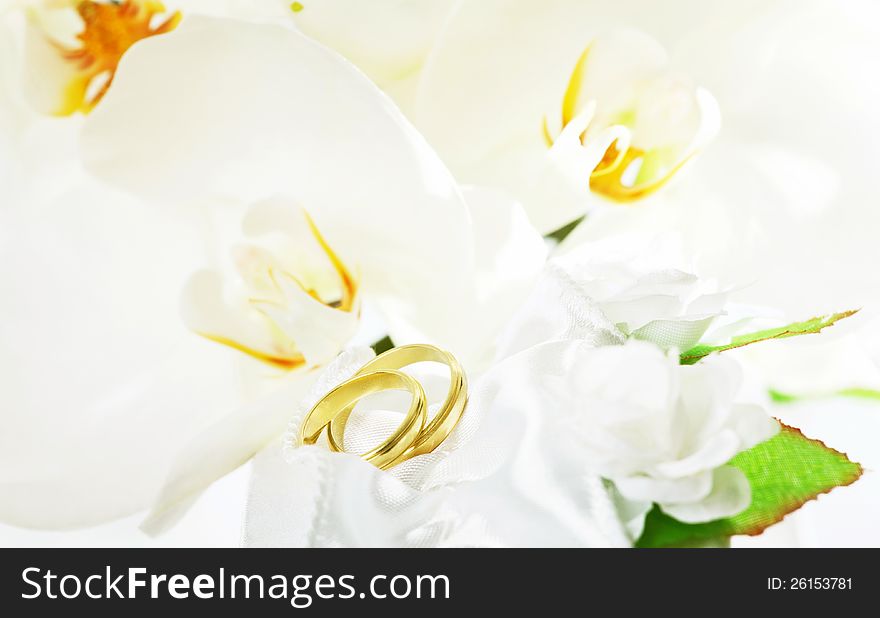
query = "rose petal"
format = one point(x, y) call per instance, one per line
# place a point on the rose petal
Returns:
point(730, 495)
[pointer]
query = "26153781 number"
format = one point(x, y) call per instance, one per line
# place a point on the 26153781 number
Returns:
point(809, 583)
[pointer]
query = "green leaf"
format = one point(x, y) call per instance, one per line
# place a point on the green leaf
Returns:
point(780, 397)
point(560, 234)
point(860, 393)
point(382, 345)
point(798, 328)
point(855, 392)
point(784, 473)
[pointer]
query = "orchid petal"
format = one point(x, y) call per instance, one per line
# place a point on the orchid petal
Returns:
point(509, 256)
point(205, 311)
point(318, 330)
point(48, 76)
point(102, 382)
point(225, 445)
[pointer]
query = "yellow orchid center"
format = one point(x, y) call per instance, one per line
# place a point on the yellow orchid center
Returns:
point(109, 29)
point(624, 174)
point(286, 294)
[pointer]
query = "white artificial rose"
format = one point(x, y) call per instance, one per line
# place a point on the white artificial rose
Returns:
point(660, 431)
point(626, 286)
point(643, 291)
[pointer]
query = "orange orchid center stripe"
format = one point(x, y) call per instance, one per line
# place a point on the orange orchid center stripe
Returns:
point(109, 29)
point(349, 285)
point(285, 356)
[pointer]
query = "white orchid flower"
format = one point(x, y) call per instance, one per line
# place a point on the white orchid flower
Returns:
point(292, 303)
point(266, 151)
point(70, 49)
point(59, 58)
point(561, 92)
point(114, 400)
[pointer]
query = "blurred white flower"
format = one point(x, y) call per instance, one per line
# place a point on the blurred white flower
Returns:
point(388, 40)
point(662, 432)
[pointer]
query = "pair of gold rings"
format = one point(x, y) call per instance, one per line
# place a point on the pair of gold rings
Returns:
point(415, 435)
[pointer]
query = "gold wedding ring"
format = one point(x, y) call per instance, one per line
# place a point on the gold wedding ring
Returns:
point(415, 435)
point(350, 392)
